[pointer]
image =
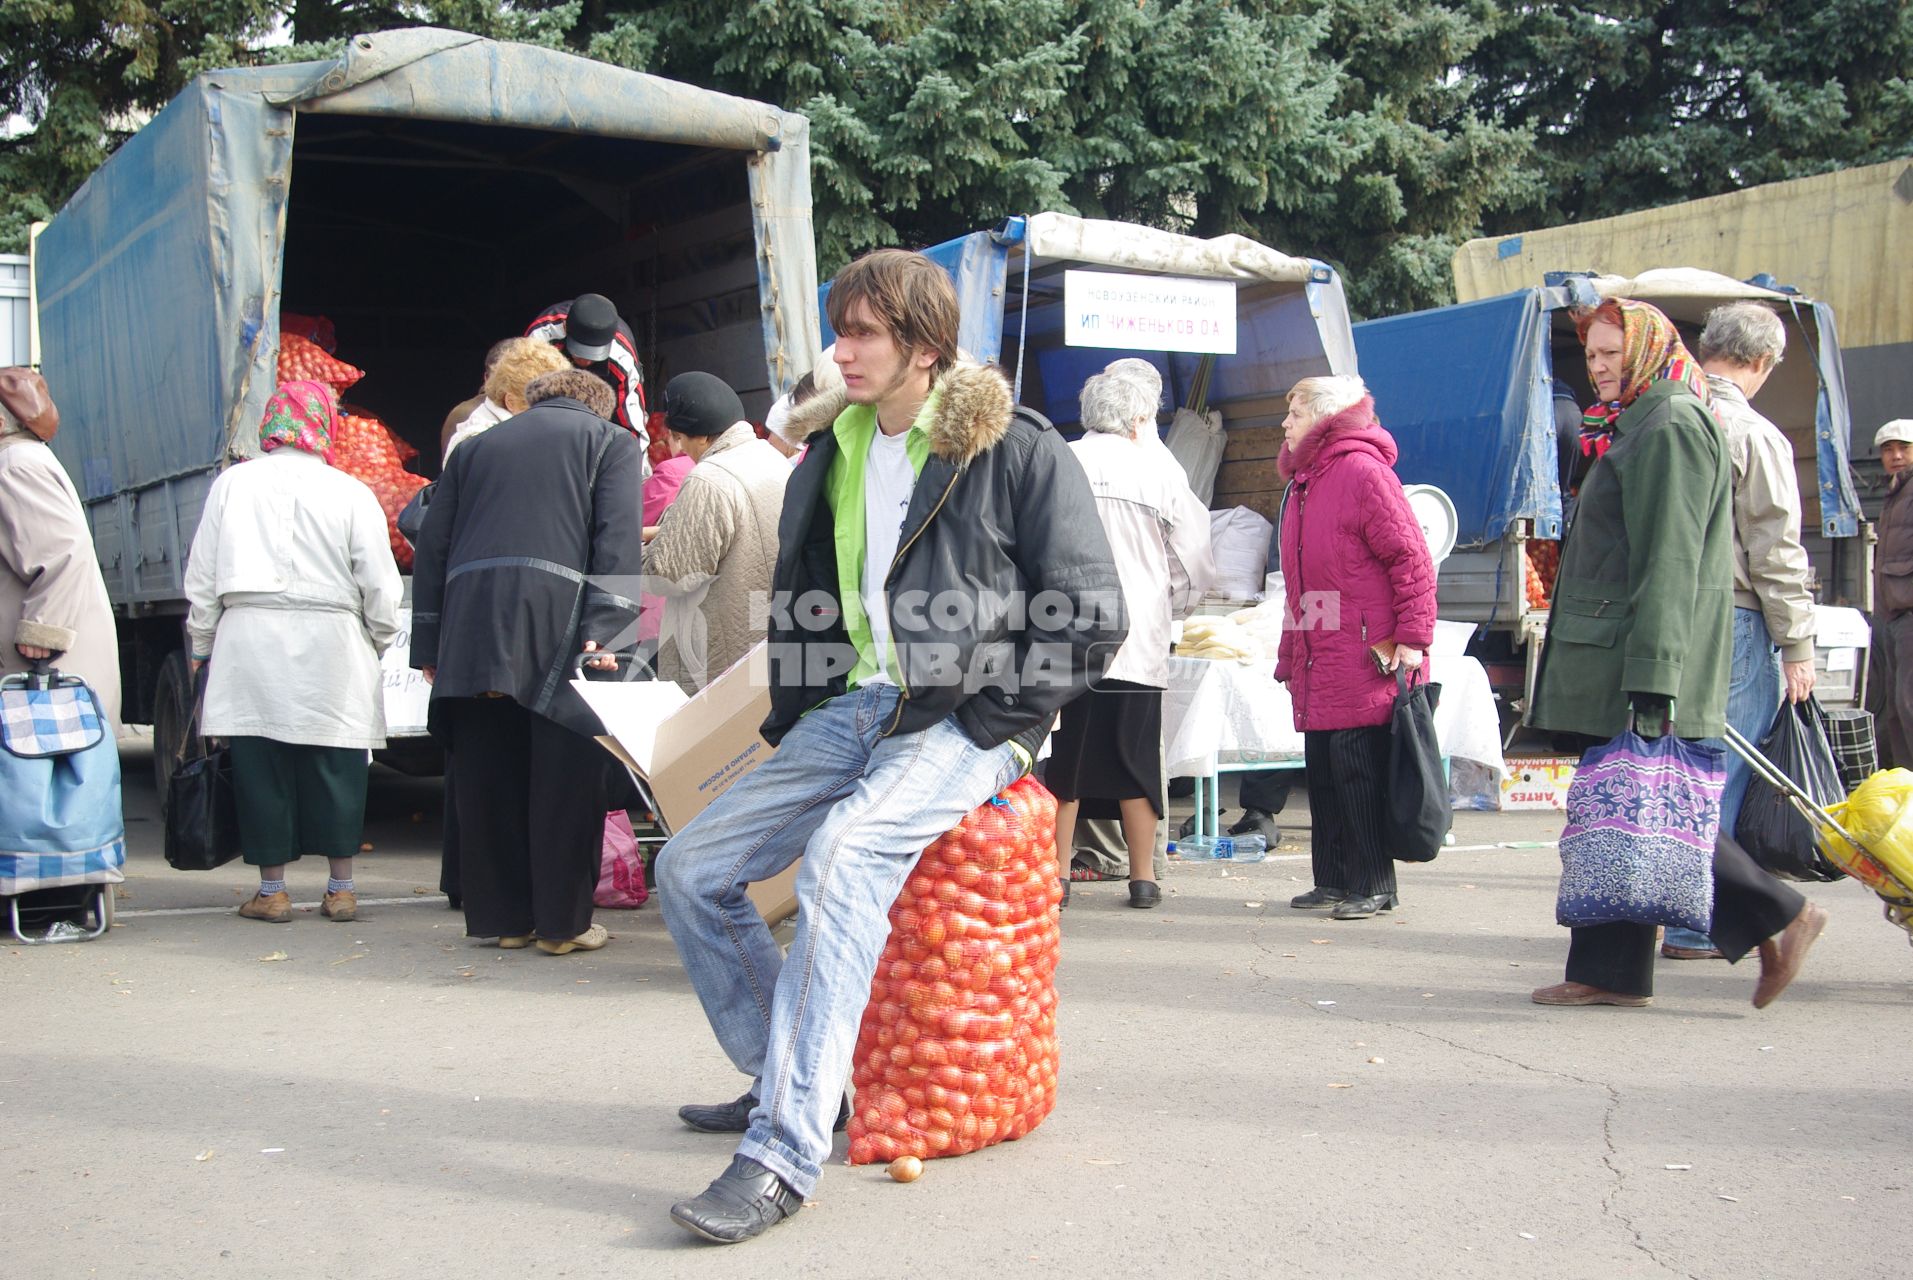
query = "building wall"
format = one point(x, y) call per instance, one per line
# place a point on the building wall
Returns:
point(14, 318)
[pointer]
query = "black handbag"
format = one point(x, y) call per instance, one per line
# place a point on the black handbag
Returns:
point(1769, 828)
point(202, 813)
point(1417, 815)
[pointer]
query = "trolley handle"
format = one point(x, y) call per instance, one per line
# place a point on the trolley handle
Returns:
point(1898, 909)
point(632, 662)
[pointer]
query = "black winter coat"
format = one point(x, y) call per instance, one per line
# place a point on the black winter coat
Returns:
point(532, 545)
point(1004, 598)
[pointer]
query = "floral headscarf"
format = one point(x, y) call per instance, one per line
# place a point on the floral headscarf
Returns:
point(301, 414)
point(1651, 349)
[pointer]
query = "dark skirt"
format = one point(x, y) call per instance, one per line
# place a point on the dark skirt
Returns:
point(295, 799)
point(1108, 746)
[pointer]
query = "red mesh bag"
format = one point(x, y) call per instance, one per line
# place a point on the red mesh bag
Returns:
point(958, 1045)
point(317, 328)
point(367, 449)
point(301, 359)
point(1544, 561)
point(660, 447)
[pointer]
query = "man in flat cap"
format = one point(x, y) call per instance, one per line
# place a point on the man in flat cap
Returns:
point(717, 544)
point(589, 330)
point(1890, 682)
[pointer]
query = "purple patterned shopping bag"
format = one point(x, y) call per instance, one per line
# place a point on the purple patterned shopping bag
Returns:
point(1643, 815)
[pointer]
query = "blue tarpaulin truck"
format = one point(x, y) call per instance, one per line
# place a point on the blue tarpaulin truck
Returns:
point(429, 192)
point(1469, 391)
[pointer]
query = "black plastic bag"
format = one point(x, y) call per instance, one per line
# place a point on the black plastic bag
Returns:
point(1769, 828)
point(202, 810)
point(1416, 817)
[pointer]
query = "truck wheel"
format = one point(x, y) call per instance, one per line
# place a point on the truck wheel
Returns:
point(172, 708)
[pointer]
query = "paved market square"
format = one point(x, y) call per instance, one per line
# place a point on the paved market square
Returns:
point(1246, 1091)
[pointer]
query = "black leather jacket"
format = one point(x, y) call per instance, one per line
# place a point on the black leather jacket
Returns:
point(1004, 599)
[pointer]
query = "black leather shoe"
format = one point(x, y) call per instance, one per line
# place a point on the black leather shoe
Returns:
point(1317, 898)
point(746, 1201)
point(1362, 908)
point(1257, 822)
point(1144, 894)
point(735, 1117)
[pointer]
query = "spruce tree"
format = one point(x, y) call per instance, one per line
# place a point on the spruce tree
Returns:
point(1636, 104)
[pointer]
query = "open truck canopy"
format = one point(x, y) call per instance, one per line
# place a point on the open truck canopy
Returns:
point(1292, 322)
point(1806, 396)
point(1466, 392)
point(1839, 236)
point(429, 192)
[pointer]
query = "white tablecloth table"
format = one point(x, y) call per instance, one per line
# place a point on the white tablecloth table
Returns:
point(1230, 717)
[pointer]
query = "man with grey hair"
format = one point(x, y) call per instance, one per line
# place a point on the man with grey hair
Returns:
point(1147, 380)
point(581, 385)
point(1773, 610)
point(1122, 399)
point(1108, 744)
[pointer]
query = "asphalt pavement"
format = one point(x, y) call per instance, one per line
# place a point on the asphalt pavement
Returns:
point(1246, 1090)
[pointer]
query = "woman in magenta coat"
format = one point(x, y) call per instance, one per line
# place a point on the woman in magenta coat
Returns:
point(1360, 589)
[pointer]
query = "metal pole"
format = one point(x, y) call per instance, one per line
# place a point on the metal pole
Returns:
point(33, 294)
point(1023, 330)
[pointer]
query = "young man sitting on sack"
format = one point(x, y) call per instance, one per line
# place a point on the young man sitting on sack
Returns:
point(942, 588)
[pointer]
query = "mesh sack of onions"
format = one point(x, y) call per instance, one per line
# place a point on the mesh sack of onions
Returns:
point(957, 1050)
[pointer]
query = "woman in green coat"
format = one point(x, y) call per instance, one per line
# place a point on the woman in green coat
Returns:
point(1641, 626)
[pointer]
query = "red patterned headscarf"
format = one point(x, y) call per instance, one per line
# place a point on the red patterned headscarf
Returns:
point(1651, 349)
point(303, 415)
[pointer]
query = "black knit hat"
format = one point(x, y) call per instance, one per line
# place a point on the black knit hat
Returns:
point(700, 404)
point(590, 326)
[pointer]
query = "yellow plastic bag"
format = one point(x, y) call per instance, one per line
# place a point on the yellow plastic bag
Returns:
point(1879, 813)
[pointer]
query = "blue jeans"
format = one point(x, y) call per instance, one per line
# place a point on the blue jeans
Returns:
point(859, 809)
point(1753, 696)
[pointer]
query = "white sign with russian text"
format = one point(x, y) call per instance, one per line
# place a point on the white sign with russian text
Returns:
point(408, 699)
point(1148, 313)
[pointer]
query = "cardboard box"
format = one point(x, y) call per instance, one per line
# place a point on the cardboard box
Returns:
point(1537, 783)
point(689, 750)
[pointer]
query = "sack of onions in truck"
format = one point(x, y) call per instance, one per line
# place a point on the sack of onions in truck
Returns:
point(368, 450)
point(317, 329)
point(957, 1050)
point(303, 360)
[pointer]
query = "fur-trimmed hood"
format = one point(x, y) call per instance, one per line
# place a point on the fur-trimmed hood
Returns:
point(1353, 430)
point(972, 413)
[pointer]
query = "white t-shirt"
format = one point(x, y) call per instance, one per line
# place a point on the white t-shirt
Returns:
point(888, 481)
